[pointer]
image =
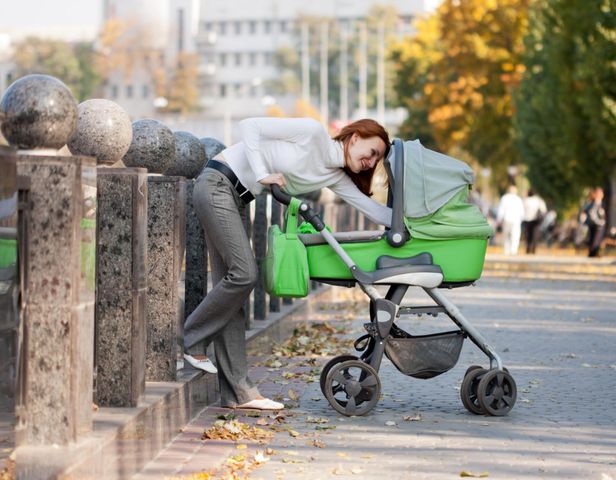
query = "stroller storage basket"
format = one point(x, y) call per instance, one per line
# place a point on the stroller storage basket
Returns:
point(425, 356)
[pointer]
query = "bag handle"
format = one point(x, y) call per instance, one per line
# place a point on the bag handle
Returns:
point(291, 217)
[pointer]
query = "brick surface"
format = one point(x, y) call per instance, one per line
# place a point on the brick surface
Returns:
point(555, 336)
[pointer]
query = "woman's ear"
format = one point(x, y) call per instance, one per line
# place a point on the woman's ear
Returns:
point(353, 138)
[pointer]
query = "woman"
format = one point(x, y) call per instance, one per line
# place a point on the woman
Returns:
point(298, 155)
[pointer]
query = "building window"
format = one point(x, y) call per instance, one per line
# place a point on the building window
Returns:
point(222, 28)
point(268, 58)
point(129, 91)
point(222, 59)
point(238, 90)
point(238, 28)
point(114, 91)
point(252, 27)
point(223, 90)
point(267, 26)
point(253, 58)
point(145, 91)
point(283, 26)
point(238, 59)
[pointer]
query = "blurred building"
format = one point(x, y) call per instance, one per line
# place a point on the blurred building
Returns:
point(236, 43)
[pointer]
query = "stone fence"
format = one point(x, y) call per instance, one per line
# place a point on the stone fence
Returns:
point(101, 257)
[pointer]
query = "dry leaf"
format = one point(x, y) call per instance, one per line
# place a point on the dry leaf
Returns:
point(292, 395)
point(464, 473)
point(412, 418)
point(390, 423)
point(317, 443)
point(293, 433)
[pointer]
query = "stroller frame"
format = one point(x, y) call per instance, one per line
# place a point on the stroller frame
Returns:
point(351, 384)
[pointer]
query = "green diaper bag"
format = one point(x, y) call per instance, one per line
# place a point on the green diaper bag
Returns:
point(286, 261)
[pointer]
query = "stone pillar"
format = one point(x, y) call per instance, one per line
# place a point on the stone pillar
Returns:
point(121, 288)
point(166, 243)
point(9, 286)
point(196, 256)
point(58, 315)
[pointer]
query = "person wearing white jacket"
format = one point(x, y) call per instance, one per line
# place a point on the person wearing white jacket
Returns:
point(299, 155)
point(510, 216)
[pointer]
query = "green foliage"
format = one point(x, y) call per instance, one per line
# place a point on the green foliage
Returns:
point(71, 63)
point(457, 75)
point(566, 106)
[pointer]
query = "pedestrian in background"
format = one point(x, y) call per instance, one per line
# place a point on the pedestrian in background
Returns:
point(510, 216)
point(534, 211)
point(595, 219)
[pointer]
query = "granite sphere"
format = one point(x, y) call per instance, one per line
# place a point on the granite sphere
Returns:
point(104, 131)
point(153, 146)
point(212, 147)
point(189, 156)
point(38, 111)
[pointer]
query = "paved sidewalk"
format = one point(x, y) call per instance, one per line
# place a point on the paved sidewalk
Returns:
point(557, 338)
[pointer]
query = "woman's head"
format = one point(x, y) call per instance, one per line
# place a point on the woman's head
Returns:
point(365, 143)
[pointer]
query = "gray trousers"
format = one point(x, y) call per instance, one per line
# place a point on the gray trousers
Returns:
point(219, 318)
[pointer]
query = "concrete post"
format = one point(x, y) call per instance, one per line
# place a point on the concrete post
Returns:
point(121, 253)
point(166, 243)
point(58, 315)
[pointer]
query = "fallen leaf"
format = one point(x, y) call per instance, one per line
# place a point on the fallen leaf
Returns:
point(412, 418)
point(390, 423)
point(293, 433)
point(317, 443)
point(241, 446)
point(356, 471)
point(292, 395)
point(464, 473)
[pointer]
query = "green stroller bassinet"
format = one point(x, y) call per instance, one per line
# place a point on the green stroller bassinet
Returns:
point(428, 195)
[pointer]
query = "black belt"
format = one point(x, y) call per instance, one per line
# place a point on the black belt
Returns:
point(223, 168)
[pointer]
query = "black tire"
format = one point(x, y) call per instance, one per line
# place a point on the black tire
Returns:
point(497, 392)
point(468, 391)
point(328, 366)
point(352, 388)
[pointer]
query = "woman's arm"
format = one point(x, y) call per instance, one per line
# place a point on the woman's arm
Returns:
point(293, 130)
point(346, 189)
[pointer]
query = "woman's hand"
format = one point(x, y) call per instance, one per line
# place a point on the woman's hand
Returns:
point(274, 179)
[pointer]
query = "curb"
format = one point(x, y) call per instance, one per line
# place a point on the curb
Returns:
point(124, 440)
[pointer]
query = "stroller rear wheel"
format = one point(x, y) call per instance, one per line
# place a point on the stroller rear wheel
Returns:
point(328, 366)
point(497, 392)
point(352, 387)
point(468, 391)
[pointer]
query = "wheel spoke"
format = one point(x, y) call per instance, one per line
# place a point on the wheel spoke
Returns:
point(500, 378)
point(350, 406)
point(508, 400)
point(339, 377)
point(489, 399)
point(369, 381)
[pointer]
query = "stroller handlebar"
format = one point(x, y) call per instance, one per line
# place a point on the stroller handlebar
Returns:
point(279, 195)
point(305, 210)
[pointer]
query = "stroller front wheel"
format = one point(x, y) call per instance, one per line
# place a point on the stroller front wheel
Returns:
point(352, 387)
point(497, 392)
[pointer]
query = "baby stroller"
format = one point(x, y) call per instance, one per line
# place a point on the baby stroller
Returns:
point(445, 248)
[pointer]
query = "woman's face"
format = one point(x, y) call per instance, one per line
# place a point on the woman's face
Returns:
point(364, 153)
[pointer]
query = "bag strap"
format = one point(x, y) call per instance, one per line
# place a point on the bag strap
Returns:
point(291, 217)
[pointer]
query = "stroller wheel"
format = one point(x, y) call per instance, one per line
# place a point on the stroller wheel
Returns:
point(328, 366)
point(497, 392)
point(468, 391)
point(352, 387)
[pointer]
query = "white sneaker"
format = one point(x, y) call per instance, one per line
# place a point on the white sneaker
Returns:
point(201, 364)
point(262, 404)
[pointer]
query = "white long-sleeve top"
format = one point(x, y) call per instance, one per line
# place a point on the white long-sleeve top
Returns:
point(302, 151)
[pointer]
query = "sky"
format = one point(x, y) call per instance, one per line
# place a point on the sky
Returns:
point(49, 13)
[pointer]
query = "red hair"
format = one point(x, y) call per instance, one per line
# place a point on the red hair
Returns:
point(365, 128)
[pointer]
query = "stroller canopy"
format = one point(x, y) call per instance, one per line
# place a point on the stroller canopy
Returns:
point(432, 203)
point(431, 179)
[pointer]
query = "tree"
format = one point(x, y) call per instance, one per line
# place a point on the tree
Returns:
point(70, 62)
point(182, 93)
point(458, 75)
point(566, 107)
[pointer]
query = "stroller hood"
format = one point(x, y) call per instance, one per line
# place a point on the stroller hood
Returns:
point(431, 179)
